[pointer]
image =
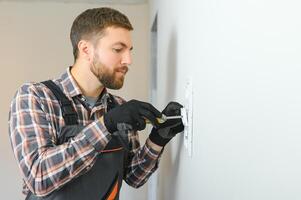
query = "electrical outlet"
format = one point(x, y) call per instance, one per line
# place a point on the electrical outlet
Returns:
point(187, 113)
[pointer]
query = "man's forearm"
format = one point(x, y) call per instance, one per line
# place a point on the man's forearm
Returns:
point(154, 146)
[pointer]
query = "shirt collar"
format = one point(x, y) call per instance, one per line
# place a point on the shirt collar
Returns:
point(69, 84)
point(71, 88)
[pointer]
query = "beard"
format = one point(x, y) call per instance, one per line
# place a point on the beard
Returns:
point(107, 77)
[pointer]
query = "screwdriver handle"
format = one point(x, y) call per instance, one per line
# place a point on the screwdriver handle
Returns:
point(160, 120)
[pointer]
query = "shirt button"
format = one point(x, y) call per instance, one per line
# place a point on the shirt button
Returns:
point(89, 167)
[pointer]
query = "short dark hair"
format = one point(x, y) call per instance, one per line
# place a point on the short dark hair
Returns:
point(93, 22)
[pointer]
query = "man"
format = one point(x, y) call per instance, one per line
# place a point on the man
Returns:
point(74, 140)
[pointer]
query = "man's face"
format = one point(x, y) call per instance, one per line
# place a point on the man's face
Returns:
point(112, 55)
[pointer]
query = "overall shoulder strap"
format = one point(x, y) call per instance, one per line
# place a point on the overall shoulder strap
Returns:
point(69, 114)
point(111, 102)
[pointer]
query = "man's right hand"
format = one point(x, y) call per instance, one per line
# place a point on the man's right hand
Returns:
point(132, 113)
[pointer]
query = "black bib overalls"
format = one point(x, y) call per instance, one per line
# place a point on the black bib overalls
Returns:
point(103, 181)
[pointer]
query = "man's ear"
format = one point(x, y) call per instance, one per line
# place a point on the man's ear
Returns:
point(85, 50)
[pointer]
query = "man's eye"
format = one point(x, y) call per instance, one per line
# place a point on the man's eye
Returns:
point(117, 50)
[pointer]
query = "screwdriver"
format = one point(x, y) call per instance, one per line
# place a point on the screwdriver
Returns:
point(164, 118)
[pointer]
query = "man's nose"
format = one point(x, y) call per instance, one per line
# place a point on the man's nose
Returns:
point(127, 58)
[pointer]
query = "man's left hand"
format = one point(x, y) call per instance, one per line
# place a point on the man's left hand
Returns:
point(162, 134)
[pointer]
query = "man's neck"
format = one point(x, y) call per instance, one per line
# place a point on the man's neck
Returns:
point(86, 80)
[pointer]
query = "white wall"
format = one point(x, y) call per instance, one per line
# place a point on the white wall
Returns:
point(244, 61)
point(35, 46)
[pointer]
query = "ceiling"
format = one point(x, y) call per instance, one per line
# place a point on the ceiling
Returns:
point(84, 1)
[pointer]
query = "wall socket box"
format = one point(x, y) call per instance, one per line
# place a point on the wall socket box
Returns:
point(187, 113)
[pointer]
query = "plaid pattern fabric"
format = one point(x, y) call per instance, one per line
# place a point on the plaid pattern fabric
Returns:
point(35, 120)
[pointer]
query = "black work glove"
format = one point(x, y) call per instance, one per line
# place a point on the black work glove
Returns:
point(162, 134)
point(132, 113)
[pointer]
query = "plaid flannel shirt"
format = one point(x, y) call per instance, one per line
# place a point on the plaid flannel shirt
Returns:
point(35, 119)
